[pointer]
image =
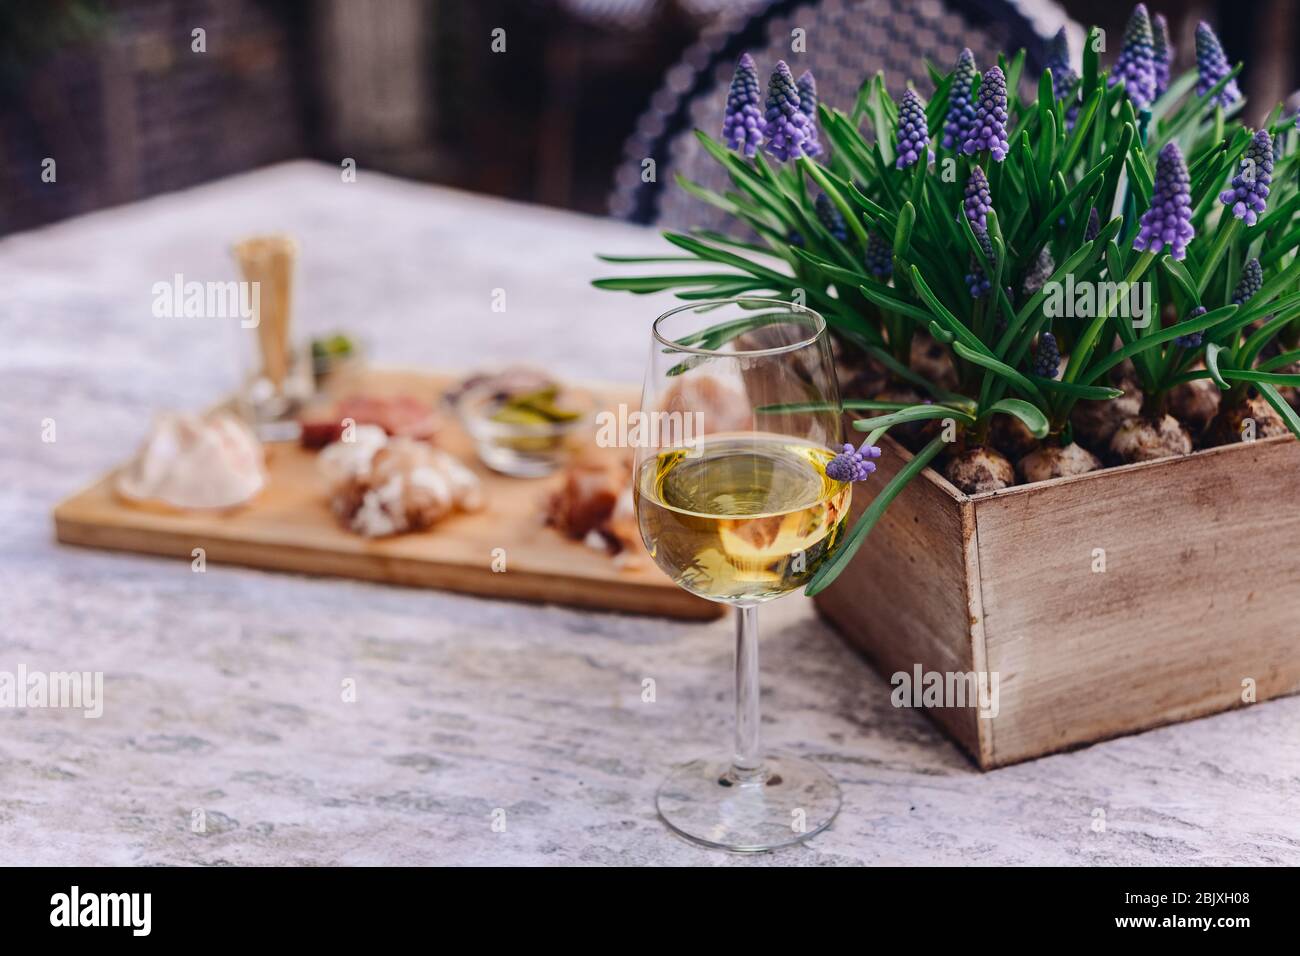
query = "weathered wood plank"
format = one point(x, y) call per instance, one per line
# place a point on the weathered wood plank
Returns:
point(904, 601)
point(1200, 591)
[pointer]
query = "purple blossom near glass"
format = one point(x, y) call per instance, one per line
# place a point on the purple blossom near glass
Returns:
point(1047, 359)
point(879, 257)
point(1194, 340)
point(784, 126)
point(976, 280)
point(1249, 188)
point(853, 464)
point(1136, 65)
point(961, 107)
point(989, 131)
point(913, 135)
point(1212, 66)
point(978, 202)
point(1169, 220)
point(1162, 50)
point(831, 218)
point(807, 87)
point(742, 120)
point(1251, 281)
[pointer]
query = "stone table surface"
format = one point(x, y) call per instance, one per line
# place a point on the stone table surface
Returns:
point(222, 689)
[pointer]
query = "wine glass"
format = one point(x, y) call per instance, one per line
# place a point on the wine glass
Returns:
point(740, 416)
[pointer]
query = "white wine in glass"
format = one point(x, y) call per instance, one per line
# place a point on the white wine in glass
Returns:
point(735, 504)
point(748, 518)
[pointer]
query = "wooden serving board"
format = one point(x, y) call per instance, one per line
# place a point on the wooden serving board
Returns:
point(289, 527)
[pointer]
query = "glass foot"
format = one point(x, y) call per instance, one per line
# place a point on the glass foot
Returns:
point(789, 802)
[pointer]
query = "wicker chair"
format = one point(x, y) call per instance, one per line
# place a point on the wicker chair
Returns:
point(846, 40)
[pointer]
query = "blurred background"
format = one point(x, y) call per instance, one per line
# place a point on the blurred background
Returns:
point(120, 94)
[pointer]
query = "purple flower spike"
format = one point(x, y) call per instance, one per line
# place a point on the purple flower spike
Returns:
point(1251, 281)
point(880, 257)
point(961, 107)
point(742, 121)
point(807, 87)
point(1212, 66)
point(1043, 268)
point(831, 218)
point(976, 280)
point(1250, 185)
point(1162, 51)
point(1194, 340)
point(913, 136)
point(990, 129)
point(1093, 229)
point(1058, 61)
point(1064, 78)
point(785, 127)
point(1047, 360)
point(978, 202)
point(1136, 65)
point(852, 464)
point(1169, 220)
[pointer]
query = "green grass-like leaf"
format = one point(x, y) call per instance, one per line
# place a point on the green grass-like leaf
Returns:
point(1031, 415)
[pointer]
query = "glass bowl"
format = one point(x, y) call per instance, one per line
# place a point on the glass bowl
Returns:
point(523, 448)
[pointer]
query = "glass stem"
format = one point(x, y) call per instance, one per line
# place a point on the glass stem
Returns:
point(747, 764)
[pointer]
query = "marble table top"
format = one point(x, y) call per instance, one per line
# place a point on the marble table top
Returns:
point(222, 689)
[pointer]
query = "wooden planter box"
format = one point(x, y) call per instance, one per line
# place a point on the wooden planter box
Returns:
point(1200, 592)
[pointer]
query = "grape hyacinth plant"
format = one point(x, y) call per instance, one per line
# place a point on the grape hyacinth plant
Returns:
point(879, 257)
point(913, 136)
point(1047, 358)
point(1041, 272)
point(989, 131)
point(961, 104)
point(1048, 297)
point(1249, 188)
point(1162, 50)
point(1064, 79)
point(1093, 229)
point(1192, 340)
point(1136, 67)
point(1212, 68)
point(831, 218)
point(807, 87)
point(1058, 61)
point(1251, 281)
point(742, 122)
point(853, 464)
point(1168, 221)
point(978, 202)
point(785, 126)
point(977, 280)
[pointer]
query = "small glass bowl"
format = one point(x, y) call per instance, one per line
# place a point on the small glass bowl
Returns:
point(523, 450)
point(328, 366)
